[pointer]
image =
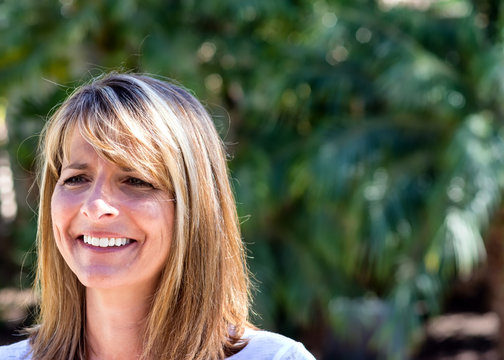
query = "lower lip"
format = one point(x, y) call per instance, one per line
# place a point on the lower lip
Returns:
point(108, 248)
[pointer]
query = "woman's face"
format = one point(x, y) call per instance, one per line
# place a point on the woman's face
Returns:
point(112, 227)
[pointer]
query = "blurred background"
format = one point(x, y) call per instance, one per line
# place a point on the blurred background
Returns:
point(366, 148)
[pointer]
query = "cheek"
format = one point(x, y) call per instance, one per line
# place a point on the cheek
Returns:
point(157, 218)
point(63, 208)
point(158, 213)
point(60, 220)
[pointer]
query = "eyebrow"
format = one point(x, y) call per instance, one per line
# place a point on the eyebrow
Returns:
point(76, 166)
point(84, 166)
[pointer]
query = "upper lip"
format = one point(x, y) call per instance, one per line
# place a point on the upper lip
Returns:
point(101, 234)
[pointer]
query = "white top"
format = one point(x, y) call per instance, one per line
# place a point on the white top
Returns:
point(263, 345)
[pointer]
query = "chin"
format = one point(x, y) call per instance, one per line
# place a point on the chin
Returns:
point(101, 279)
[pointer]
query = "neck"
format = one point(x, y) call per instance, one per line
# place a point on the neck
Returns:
point(115, 320)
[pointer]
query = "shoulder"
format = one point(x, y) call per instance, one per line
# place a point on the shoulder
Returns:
point(265, 345)
point(16, 351)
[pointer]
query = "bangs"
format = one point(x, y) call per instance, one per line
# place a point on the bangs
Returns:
point(116, 125)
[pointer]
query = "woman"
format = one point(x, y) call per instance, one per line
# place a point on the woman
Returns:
point(140, 255)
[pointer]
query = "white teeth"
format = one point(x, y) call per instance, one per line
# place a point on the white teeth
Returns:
point(105, 242)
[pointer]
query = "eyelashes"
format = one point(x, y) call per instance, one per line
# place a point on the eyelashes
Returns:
point(136, 182)
point(77, 180)
point(74, 180)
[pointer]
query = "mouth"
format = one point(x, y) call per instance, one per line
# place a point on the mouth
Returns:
point(104, 242)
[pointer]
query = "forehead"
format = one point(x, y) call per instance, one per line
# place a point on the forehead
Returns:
point(79, 153)
point(75, 146)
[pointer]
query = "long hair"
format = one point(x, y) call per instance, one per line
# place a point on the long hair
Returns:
point(200, 308)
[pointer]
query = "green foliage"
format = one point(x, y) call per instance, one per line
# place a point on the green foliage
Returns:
point(365, 142)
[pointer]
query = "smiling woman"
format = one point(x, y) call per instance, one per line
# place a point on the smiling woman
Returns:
point(112, 228)
point(139, 249)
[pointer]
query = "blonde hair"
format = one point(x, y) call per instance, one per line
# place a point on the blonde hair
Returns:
point(200, 308)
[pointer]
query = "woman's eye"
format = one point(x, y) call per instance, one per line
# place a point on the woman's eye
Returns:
point(138, 183)
point(74, 180)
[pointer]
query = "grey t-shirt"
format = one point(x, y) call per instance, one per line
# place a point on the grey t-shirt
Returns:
point(263, 345)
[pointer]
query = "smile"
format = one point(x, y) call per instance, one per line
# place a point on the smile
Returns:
point(105, 242)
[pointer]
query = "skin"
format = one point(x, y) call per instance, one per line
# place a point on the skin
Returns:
point(96, 197)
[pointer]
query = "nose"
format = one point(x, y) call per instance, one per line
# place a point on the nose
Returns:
point(99, 204)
